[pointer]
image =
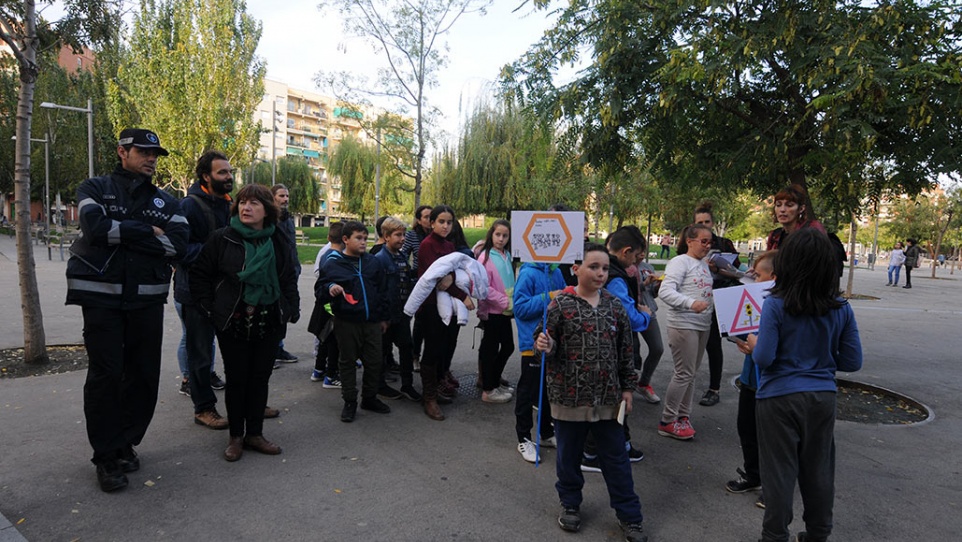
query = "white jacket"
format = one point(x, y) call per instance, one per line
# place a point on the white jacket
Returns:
point(469, 276)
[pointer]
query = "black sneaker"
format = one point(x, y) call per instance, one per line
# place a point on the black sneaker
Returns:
point(184, 387)
point(410, 393)
point(285, 357)
point(570, 519)
point(387, 392)
point(710, 398)
point(375, 405)
point(216, 382)
point(349, 411)
point(634, 454)
point(761, 501)
point(742, 484)
point(110, 476)
point(590, 464)
point(127, 459)
point(634, 532)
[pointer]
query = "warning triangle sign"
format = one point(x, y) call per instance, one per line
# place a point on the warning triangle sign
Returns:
point(747, 316)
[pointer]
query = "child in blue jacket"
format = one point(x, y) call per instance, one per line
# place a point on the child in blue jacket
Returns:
point(536, 286)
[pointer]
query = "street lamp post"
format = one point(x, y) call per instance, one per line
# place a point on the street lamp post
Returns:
point(90, 128)
point(46, 191)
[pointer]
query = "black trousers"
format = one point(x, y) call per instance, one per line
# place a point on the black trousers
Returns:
point(438, 348)
point(716, 358)
point(526, 397)
point(497, 345)
point(248, 364)
point(796, 437)
point(123, 349)
point(748, 433)
point(200, 337)
point(908, 274)
point(399, 334)
point(328, 357)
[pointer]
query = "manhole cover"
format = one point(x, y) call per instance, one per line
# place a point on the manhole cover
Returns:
point(864, 403)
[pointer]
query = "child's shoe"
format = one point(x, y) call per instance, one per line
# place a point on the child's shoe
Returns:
point(570, 519)
point(676, 430)
point(528, 451)
point(634, 532)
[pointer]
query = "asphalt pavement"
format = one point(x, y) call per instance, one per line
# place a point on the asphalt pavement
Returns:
point(405, 477)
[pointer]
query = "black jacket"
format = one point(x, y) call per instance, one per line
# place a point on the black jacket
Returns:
point(217, 291)
point(118, 262)
point(200, 231)
point(286, 227)
point(364, 279)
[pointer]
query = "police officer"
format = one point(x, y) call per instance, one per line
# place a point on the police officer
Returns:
point(119, 273)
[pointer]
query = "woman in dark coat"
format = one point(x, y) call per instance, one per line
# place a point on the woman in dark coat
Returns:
point(246, 283)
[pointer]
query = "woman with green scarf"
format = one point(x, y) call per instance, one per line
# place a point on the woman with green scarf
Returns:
point(245, 281)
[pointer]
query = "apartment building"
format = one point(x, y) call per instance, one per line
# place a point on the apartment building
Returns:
point(307, 125)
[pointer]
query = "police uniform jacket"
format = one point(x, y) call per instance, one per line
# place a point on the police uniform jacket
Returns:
point(118, 262)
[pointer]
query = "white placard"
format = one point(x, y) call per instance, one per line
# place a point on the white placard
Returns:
point(739, 308)
point(547, 236)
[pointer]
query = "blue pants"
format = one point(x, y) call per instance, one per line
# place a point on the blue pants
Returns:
point(182, 347)
point(898, 270)
point(615, 467)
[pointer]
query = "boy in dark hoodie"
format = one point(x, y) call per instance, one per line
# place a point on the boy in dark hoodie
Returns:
point(354, 283)
point(623, 248)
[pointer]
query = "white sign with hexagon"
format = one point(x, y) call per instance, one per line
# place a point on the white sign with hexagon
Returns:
point(547, 236)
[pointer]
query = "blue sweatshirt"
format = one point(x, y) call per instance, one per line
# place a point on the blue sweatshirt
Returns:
point(534, 282)
point(802, 353)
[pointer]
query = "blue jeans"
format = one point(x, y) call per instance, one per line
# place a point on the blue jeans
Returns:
point(615, 467)
point(182, 347)
point(200, 357)
point(897, 269)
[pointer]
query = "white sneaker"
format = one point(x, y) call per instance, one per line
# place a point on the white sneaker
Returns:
point(551, 442)
point(507, 389)
point(528, 451)
point(495, 396)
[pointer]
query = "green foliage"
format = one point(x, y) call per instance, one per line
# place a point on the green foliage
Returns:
point(409, 37)
point(926, 218)
point(752, 94)
point(354, 163)
point(190, 73)
point(505, 160)
point(302, 185)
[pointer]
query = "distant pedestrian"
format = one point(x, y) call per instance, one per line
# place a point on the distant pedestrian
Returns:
point(896, 259)
point(119, 273)
point(665, 246)
point(807, 332)
point(913, 259)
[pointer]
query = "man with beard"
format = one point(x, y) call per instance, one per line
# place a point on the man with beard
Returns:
point(285, 224)
point(119, 273)
point(207, 208)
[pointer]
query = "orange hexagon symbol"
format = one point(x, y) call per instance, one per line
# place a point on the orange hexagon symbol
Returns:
point(544, 242)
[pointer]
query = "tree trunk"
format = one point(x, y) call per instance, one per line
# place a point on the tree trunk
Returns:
point(938, 242)
point(34, 339)
point(851, 259)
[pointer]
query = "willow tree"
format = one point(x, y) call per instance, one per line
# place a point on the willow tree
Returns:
point(507, 159)
point(302, 185)
point(191, 73)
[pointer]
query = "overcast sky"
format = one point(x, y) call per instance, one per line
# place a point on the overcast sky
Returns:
point(299, 40)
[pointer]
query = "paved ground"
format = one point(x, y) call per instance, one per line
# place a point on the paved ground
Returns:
point(405, 477)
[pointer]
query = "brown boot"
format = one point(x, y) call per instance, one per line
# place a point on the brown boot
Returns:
point(271, 412)
point(260, 444)
point(433, 411)
point(235, 448)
